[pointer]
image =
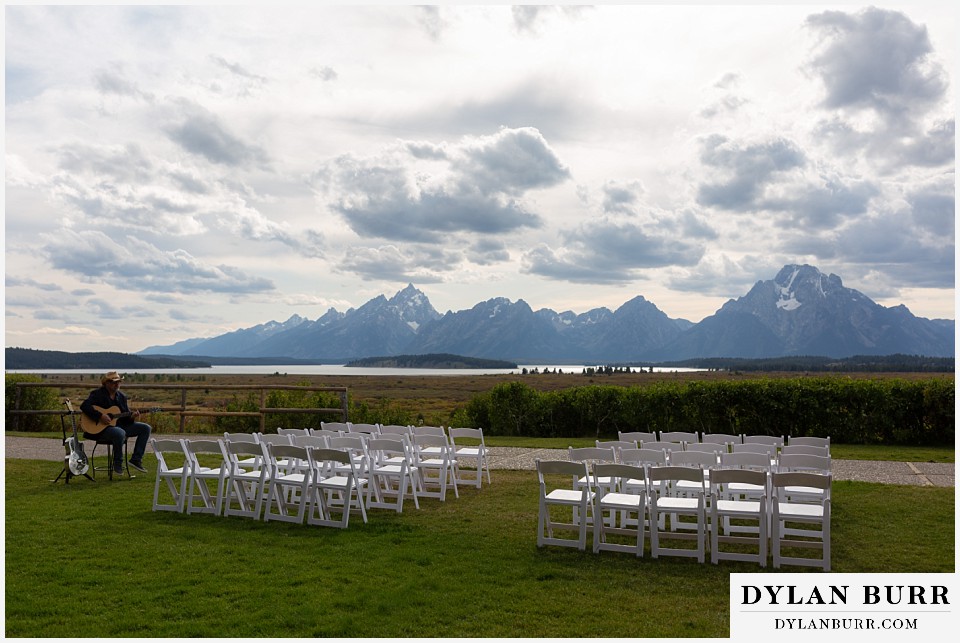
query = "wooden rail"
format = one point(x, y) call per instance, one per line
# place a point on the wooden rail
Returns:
point(182, 409)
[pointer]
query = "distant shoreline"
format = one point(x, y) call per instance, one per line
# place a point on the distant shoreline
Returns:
point(431, 360)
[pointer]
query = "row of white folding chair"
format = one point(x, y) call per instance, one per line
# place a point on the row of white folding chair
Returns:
point(681, 436)
point(399, 461)
point(282, 436)
point(811, 458)
point(325, 482)
point(756, 458)
point(720, 438)
point(605, 493)
point(608, 455)
point(393, 473)
point(656, 501)
point(403, 464)
point(248, 474)
point(477, 452)
point(430, 458)
point(294, 482)
point(660, 436)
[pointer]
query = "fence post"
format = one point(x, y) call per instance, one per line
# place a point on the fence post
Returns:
point(16, 405)
point(263, 416)
point(183, 407)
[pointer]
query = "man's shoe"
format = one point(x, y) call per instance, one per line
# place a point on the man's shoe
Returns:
point(138, 466)
point(118, 469)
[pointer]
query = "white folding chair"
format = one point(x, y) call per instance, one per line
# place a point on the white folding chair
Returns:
point(395, 429)
point(690, 489)
point(245, 487)
point(642, 458)
point(726, 439)
point(737, 490)
point(336, 487)
point(669, 447)
point(809, 441)
point(726, 508)
point(274, 438)
point(775, 440)
point(590, 456)
point(616, 445)
point(342, 427)
point(393, 474)
point(363, 427)
point(477, 451)
point(293, 432)
point(770, 450)
point(789, 518)
point(326, 433)
point(578, 500)
point(679, 436)
point(622, 503)
point(662, 501)
point(288, 483)
point(202, 453)
point(705, 447)
point(805, 449)
point(803, 462)
point(429, 430)
point(356, 445)
point(251, 462)
point(173, 466)
point(637, 436)
point(436, 464)
point(318, 441)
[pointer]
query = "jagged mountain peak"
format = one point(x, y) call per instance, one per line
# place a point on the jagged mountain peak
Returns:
point(796, 284)
point(413, 307)
point(637, 303)
point(408, 291)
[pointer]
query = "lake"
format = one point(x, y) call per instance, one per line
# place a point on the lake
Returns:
point(341, 370)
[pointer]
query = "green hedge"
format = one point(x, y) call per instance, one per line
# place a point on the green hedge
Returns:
point(850, 411)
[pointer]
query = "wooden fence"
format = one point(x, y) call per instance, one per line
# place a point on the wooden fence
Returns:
point(182, 409)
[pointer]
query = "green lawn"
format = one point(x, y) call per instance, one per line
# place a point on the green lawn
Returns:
point(465, 568)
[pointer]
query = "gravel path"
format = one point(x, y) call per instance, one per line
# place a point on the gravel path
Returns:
point(906, 473)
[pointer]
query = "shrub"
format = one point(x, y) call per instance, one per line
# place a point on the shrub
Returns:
point(35, 398)
point(239, 424)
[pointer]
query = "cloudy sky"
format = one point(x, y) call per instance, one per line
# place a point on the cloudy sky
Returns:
point(177, 172)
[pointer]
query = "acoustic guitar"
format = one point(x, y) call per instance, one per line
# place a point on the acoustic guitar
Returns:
point(91, 426)
point(75, 457)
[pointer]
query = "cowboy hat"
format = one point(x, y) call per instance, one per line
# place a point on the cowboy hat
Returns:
point(112, 376)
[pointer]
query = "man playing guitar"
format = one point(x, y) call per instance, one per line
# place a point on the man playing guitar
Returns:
point(115, 428)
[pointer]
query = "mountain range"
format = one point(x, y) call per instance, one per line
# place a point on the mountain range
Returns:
point(801, 311)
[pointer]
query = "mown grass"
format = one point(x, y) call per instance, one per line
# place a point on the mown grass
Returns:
point(93, 558)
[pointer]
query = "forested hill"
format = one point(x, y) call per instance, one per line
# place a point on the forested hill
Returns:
point(28, 358)
point(432, 360)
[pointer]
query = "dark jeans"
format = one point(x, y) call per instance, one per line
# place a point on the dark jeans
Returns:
point(116, 436)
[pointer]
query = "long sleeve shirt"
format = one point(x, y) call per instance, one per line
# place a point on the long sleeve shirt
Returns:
point(101, 397)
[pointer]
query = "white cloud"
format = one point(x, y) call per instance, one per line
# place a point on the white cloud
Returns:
point(260, 158)
point(423, 193)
